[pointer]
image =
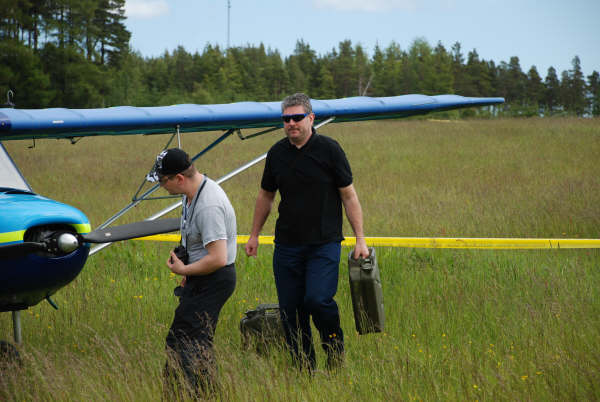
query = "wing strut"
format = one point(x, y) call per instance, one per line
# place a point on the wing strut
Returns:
point(137, 193)
point(239, 132)
point(136, 200)
point(219, 181)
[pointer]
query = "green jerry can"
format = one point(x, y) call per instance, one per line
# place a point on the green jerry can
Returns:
point(261, 328)
point(366, 292)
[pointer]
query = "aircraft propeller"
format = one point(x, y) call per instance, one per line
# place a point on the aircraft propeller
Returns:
point(62, 242)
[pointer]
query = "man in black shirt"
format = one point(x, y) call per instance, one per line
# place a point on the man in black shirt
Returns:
point(314, 179)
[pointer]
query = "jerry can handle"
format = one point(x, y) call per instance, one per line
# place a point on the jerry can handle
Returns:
point(365, 263)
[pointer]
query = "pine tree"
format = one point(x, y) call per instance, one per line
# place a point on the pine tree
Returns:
point(379, 84)
point(326, 86)
point(551, 91)
point(442, 64)
point(516, 81)
point(458, 69)
point(275, 76)
point(534, 88)
point(207, 66)
point(476, 79)
point(127, 86)
point(344, 71)
point(362, 68)
point(302, 68)
point(565, 92)
point(392, 66)
point(113, 37)
point(181, 73)
point(577, 88)
point(594, 88)
point(298, 81)
point(22, 72)
point(418, 71)
point(77, 82)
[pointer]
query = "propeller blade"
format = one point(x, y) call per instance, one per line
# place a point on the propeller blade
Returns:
point(132, 230)
point(20, 249)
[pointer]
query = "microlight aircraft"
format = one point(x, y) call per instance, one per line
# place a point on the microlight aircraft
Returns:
point(44, 244)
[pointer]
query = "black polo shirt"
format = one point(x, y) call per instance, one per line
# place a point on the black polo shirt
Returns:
point(308, 180)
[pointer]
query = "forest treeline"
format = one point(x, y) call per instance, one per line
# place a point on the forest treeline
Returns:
point(65, 53)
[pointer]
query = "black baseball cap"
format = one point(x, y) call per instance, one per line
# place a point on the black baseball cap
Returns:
point(169, 162)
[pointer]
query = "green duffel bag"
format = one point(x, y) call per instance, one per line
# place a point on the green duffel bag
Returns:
point(261, 328)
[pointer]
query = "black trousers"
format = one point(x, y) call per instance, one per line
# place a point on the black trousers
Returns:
point(189, 343)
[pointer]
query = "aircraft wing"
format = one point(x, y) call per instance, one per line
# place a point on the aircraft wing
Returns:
point(19, 124)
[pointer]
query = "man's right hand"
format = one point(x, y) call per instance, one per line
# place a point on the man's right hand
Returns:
point(251, 246)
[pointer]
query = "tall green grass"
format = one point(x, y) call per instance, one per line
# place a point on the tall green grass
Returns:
point(460, 324)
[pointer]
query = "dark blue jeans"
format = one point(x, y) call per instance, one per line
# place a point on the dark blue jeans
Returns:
point(306, 278)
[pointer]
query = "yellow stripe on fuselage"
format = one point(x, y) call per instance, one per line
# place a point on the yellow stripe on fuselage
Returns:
point(10, 237)
point(82, 227)
point(17, 236)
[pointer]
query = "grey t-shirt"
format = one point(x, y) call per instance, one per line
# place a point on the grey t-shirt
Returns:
point(209, 218)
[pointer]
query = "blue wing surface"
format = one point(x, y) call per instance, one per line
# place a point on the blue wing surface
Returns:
point(18, 124)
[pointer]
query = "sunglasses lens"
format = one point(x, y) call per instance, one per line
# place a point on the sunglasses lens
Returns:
point(295, 117)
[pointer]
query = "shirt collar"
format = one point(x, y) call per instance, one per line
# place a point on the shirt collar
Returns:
point(310, 140)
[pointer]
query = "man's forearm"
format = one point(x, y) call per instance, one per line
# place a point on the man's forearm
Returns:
point(353, 210)
point(355, 216)
point(264, 203)
point(215, 258)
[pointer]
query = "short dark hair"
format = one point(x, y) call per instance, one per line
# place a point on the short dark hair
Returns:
point(190, 171)
point(297, 99)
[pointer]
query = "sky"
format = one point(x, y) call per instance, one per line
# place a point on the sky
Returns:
point(541, 33)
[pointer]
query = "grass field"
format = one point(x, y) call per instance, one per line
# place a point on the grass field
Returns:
point(460, 324)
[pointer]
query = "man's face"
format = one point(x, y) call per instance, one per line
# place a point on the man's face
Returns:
point(298, 132)
point(169, 183)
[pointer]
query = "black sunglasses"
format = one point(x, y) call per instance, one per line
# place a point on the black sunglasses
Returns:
point(295, 117)
point(163, 179)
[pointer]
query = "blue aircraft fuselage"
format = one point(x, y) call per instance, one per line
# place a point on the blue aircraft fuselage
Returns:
point(28, 279)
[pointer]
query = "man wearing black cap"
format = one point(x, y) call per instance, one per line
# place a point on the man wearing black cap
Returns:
point(208, 234)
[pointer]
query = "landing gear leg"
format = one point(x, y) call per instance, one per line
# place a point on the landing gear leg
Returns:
point(17, 326)
point(9, 355)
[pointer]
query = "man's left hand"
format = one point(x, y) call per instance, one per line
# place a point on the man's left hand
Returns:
point(360, 250)
point(175, 264)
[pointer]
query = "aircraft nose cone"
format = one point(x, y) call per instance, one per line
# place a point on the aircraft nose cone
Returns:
point(67, 242)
